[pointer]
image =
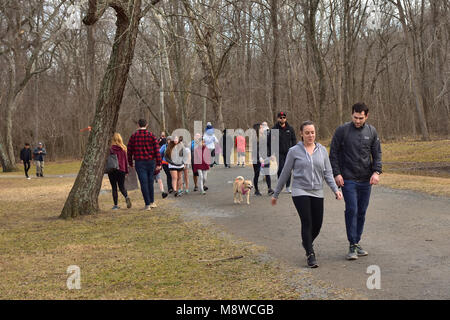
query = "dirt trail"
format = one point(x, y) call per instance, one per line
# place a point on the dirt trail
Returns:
point(406, 234)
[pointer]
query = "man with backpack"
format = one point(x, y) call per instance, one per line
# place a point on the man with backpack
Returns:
point(355, 157)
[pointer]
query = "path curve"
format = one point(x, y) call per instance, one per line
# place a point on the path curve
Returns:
point(406, 234)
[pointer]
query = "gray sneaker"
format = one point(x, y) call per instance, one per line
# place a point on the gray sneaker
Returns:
point(352, 253)
point(360, 251)
point(128, 200)
point(115, 208)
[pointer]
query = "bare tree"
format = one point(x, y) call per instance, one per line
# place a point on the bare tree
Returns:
point(27, 48)
point(83, 198)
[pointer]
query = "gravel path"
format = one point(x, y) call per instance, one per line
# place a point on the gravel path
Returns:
point(406, 234)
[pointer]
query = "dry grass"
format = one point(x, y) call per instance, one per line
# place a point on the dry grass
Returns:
point(431, 185)
point(417, 151)
point(129, 254)
point(50, 168)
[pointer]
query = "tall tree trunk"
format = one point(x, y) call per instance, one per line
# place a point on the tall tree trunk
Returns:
point(310, 10)
point(412, 70)
point(83, 198)
point(275, 58)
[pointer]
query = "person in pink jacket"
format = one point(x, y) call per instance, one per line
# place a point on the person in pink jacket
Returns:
point(202, 159)
point(240, 149)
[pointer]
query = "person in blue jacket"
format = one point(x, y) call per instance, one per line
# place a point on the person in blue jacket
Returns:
point(39, 154)
point(165, 164)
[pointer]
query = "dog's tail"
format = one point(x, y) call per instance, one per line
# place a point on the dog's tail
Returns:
point(240, 178)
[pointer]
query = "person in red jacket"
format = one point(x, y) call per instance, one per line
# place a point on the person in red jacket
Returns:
point(143, 147)
point(117, 176)
point(202, 159)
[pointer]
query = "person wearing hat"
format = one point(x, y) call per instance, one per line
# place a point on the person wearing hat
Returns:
point(39, 154)
point(287, 139)
point(210, 141)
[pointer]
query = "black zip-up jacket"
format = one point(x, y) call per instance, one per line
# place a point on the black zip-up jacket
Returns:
point(286, 137)
point(25, 154)
point(355, 153)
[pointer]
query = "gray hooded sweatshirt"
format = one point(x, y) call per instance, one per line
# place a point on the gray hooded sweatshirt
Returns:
point(309, 171)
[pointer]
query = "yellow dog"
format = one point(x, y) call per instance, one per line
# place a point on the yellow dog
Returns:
point(242, 187)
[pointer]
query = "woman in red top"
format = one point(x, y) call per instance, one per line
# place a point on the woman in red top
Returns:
point(202, 159)
point(117, 177)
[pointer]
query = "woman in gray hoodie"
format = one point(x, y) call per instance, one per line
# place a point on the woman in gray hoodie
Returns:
point(308, 161)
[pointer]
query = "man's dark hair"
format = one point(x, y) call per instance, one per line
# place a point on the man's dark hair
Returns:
point(360, 107)
point(142, 123)
point(27, 144)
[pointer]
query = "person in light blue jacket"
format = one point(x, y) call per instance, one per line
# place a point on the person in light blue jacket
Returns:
point(211, 141)
point(310, 166)
point(165, 164)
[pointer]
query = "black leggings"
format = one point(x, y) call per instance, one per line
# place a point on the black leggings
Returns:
point(256, 171)
point(117, 177)
point(168, 175)
point(26, 167)
point(310, 210)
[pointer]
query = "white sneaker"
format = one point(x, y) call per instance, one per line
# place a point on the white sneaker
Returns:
point(153, 205)
point(147, 208)
point(288, 190)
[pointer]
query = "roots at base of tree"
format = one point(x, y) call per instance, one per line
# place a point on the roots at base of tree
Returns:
point(73, 208)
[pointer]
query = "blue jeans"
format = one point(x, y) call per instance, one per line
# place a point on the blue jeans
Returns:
point(356, 197)
point(145, 170)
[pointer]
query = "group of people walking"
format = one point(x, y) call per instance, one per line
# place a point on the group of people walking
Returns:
point(38, 154)
point(150, 155)
point(352, 167)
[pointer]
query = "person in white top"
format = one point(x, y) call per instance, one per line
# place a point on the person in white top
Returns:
point(187, 165)
point(210, 141)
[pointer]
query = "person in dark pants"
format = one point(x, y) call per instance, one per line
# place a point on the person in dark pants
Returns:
point(311, 166)
point(25, 156)
point(165, 164)
point(226, 152)
point(355, 156)
point(287, 139)
point(262, 160)
point(144, 148)
point(38, 155)
point(196, 143)
point(117, 177)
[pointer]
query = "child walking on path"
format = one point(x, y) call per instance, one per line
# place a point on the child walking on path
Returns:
point(201, 165)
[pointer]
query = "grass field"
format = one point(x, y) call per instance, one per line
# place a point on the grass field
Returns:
point(132, 254)
point(128, 254)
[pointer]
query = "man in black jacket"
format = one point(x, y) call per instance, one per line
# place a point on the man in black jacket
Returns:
point(287, 139)
point(355, 156)
point(25, 156)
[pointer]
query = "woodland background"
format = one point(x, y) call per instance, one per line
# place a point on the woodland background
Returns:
point(231, 62)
